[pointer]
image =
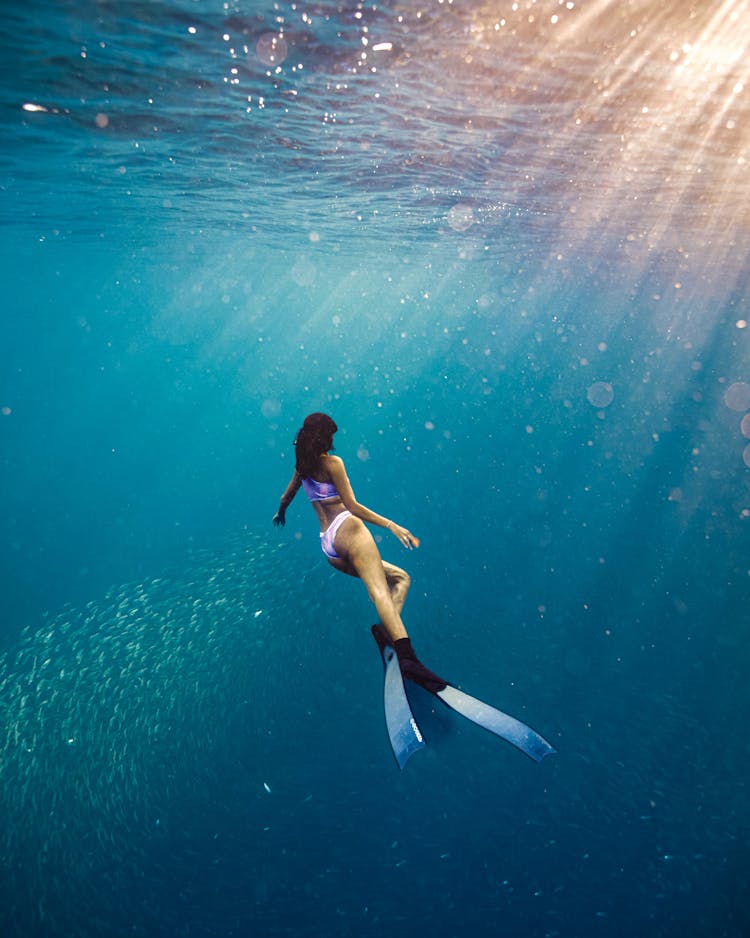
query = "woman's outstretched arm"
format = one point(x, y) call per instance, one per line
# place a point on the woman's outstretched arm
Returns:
point(287, 498)
point(337, 471)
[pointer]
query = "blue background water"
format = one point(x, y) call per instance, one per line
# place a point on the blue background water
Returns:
point(510, 261)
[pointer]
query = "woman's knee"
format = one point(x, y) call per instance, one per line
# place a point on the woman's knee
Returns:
point(398, 578)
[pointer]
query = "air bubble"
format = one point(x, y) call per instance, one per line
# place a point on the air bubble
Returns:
point(737, 396)
point(271, 49)
point(600, 394)
point(461, 217)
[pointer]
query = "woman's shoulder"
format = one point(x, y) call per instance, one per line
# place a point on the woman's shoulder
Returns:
point(331, 463)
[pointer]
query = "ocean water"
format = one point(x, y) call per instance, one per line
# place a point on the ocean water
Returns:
point(505, 246)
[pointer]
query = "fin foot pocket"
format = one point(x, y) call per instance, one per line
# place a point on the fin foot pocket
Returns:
point(415, 671)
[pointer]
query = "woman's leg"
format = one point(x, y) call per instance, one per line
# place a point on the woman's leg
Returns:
point(399, 582)
point(386, 584)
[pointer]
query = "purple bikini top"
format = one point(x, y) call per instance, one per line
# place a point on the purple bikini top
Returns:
point(319, 491)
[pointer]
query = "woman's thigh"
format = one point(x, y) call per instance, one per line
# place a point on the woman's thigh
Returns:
point(395, 577)
point(358, 551)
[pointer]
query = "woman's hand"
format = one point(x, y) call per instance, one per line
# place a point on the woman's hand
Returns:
point(403, 534)
point(279, 518)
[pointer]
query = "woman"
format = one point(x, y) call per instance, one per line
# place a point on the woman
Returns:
point(347, 542)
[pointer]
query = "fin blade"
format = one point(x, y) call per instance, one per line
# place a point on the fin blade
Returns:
point(404, 734)
point(497, 722)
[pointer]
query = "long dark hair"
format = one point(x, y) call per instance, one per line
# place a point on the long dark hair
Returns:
point(314, 438)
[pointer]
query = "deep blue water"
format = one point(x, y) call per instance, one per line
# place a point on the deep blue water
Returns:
point(504, 245)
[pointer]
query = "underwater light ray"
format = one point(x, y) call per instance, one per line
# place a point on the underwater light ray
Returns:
point(649, 146)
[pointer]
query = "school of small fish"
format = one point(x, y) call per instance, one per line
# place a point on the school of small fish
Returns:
point(108, 711)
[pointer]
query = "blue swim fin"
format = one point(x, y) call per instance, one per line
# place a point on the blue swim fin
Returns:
point(497, 722)
point(403, 731)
